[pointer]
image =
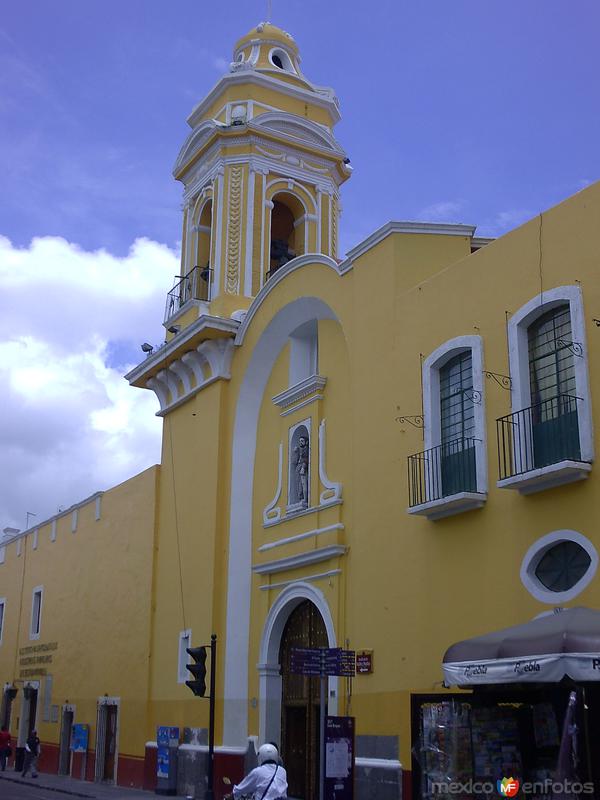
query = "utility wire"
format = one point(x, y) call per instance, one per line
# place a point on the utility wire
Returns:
point(169, 428)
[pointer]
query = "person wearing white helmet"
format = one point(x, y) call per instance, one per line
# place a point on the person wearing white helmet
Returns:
point(268, 781)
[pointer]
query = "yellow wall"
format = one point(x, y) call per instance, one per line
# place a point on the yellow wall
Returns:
point(96, 584)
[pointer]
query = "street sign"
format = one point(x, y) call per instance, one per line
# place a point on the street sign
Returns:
point(339, 662)
point(322, 661)
point(364, 662)
point(305, 661)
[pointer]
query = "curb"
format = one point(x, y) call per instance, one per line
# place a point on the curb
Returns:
point(42, 785)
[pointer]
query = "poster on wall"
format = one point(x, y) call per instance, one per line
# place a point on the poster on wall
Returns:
point(167, 740)
point(79, 738)
point(339, 758)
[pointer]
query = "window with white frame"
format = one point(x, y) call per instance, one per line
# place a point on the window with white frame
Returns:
point(2, 609)
point(185, 641)
point(550, 422)
point(559, 566)
point(454, 461)
point(36, 612)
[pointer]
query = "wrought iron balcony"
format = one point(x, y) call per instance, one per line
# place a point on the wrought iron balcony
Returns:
point(536, 437)
point(193, 286)
point(442, 471)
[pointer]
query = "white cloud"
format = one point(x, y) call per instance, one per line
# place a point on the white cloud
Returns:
point(504, 221)
point(444, 211)
point(71, 323)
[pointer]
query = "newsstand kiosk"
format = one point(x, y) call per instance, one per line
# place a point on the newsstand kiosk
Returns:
point(533, 713)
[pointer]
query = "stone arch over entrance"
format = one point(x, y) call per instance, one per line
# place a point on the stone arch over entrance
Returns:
point(269, 667)
point(269, 345)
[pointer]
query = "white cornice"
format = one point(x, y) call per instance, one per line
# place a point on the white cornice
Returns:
point(259, 79)
point(481, 241)
point(302, 149)
point(309, 385)
point(158, 359)
point(429, 228)
point(291, 266)
point(300, 560)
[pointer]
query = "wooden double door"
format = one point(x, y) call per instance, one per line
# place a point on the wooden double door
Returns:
point(300, 704)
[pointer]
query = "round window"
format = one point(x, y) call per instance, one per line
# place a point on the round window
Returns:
point(277, 61)
point(562, 566)
point(559, 566)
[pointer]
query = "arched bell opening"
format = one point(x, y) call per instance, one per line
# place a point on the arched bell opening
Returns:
point(202, 272)
point(288, 220)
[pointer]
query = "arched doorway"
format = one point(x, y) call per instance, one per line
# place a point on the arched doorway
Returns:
point(300, 703)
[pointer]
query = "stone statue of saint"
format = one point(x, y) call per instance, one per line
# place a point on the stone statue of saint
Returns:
point(301, 468)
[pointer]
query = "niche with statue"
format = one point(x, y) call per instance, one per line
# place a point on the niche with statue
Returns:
point(299, 467)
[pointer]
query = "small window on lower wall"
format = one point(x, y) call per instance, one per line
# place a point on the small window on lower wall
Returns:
point(185, 641)
point(559, 566)
point(36, 612)
point(2, 609)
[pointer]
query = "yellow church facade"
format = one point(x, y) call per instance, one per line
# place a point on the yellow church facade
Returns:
point(388, 452)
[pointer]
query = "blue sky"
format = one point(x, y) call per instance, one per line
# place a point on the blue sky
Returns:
point(483, 112)
point(479, 112)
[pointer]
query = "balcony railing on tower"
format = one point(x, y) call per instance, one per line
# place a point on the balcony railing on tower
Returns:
point(193, 286)
point(543, 434)
point(448, 469)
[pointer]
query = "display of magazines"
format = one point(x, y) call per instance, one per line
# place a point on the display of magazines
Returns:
point(495, 743)
point(445, 747)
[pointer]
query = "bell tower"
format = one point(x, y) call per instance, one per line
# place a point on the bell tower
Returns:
point(261, 173)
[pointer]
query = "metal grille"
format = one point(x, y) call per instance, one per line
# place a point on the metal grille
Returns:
point(538, 436)
point(562, 566)
point(193, 286)
point(456, 398)
point(442, 471)
point(551, 362)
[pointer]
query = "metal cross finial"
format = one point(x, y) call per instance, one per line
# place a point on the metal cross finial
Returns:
point(269, 9)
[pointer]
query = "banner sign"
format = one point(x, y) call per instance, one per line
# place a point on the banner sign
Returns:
point(550, 668)
point(339, 758)
point(79, 738)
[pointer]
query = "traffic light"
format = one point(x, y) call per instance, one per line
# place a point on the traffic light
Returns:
point(198, 670)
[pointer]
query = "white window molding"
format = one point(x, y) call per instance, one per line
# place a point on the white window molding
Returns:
point(53, 531)
point(185, 640)
point(518, 353)
point(535, 554)
point(2, 616)
point(37, 599)
point(463, 501)
point(74, 520)
point(98, 507)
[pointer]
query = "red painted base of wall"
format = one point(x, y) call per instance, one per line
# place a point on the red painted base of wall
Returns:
point(150, 769)
point(229, 766)
point(406, 785)
point(130, 771)
point(48, 760)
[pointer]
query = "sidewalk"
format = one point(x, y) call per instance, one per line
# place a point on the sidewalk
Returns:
point(76, 788)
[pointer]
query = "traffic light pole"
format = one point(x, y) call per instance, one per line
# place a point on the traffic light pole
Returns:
point(211, 720)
